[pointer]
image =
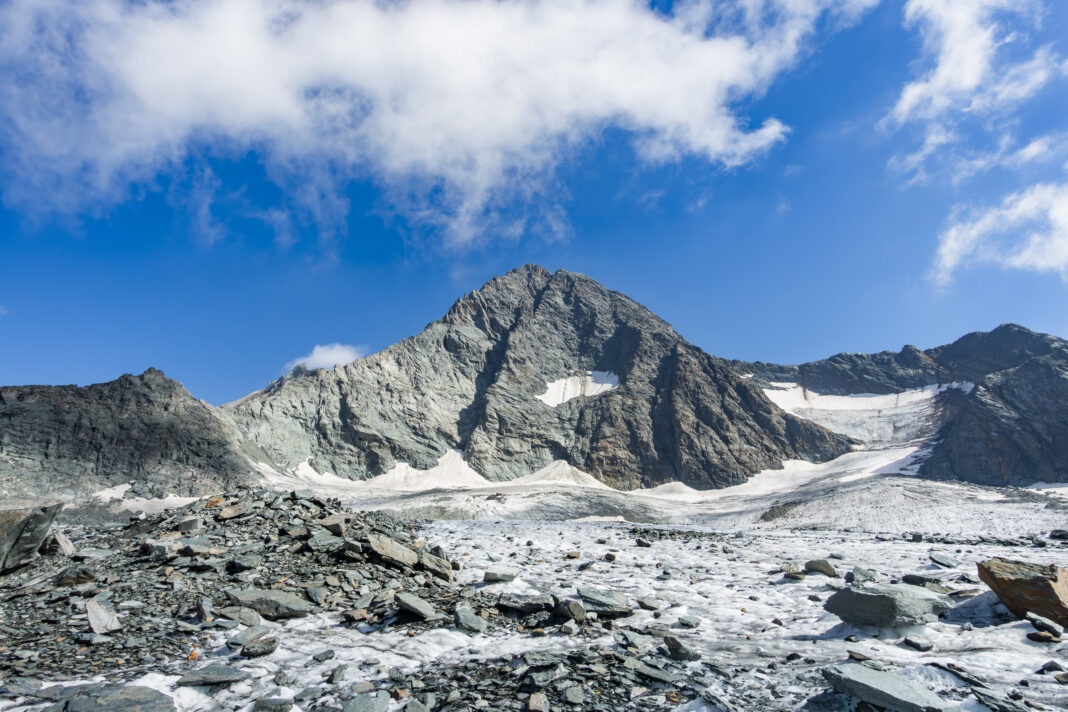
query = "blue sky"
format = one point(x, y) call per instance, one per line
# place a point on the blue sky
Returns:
point(214, 189)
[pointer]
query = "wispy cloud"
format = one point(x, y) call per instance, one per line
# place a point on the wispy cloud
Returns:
point(1028, 231)
point(973, 51)
point(3, 310)
point(328, 356)
point(456, 108)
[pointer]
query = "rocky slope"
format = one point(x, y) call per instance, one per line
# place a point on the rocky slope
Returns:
point(1010, 429)
point(67, 440)
point(471, 380)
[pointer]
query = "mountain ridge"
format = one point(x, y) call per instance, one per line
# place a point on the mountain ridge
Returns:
point(472, 381)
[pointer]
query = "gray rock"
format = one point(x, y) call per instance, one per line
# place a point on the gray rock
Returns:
point(678, 650)
point(413, 604)
point(22, 530)
point(467, 619)
point(1044, 624)
point(65, 545)
point(259, 647)
point(525, 603)
point(272, 605)
point(689, 621)
point(997, 702)
point(131, 698)
point(272, 704)
point(437, 566)
point(887, 605)
point(101, 620)
point(605, 603)
point(498, 573)
point(944, 560)
point(367, 702)
point(392, 552)
point(918, 643)
point(247, 636)
point(883, 689)
point(212, 675)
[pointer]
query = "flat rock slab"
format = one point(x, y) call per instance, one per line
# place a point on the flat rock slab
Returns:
point(467, 619)
point(212, 675)
point(498, 574)
point(413, 604)
point(367, 702)
point(605, 603)
point(888, 605)
point(21, 533)
point(883, 689)
point(272, 605)
point(392, 552)
point(525, 603)
point(1028, 588)
point(113, 698)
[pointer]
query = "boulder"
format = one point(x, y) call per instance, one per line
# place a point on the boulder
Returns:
point(525, 603)
point(605, 603)
point(887, 605)
point(272, 605)
point(467, 619)
point(114, 698)
point(212, 675)
point(392, 552)
point(413, 604)
point(883, 689)
point(498, 573)
point(22, 532)
point(1028, 588)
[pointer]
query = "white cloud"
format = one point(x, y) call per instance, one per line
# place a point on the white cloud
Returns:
point(3, 311)
point(964, 38)
point(1028, 231)
point(328, 356)
point(974, 46)
point(456, 108)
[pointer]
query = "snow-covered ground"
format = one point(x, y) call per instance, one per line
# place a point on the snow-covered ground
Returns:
point(751, 617)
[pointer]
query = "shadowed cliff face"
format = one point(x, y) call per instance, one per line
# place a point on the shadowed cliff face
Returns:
point(470, 381)
point(1011, 429)
point(66, 440)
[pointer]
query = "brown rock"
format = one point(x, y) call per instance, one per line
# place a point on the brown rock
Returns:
point(1028, 588)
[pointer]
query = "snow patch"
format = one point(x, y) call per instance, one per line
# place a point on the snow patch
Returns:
point(558, 472)
point(116, 492)
point(591, 384)
point(876, 420)
point(451, 472)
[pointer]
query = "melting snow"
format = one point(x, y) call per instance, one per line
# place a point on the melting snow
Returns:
point(591, 384)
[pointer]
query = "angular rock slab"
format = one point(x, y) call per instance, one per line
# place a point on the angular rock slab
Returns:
point(1028, 588)
point(134, 698)
point(21, 533)
point(392, 552)
point(413, 604)
point(605, 603)
point(212, 675)
point(888, 605)
point(272, 605)
point(883, 689)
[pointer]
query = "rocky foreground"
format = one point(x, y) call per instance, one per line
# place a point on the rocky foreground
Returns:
point(259, 600)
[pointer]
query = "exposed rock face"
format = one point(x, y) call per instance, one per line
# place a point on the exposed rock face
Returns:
point(21, 533)
point(66, 440)
point(471, 380)
point(1009, 429)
